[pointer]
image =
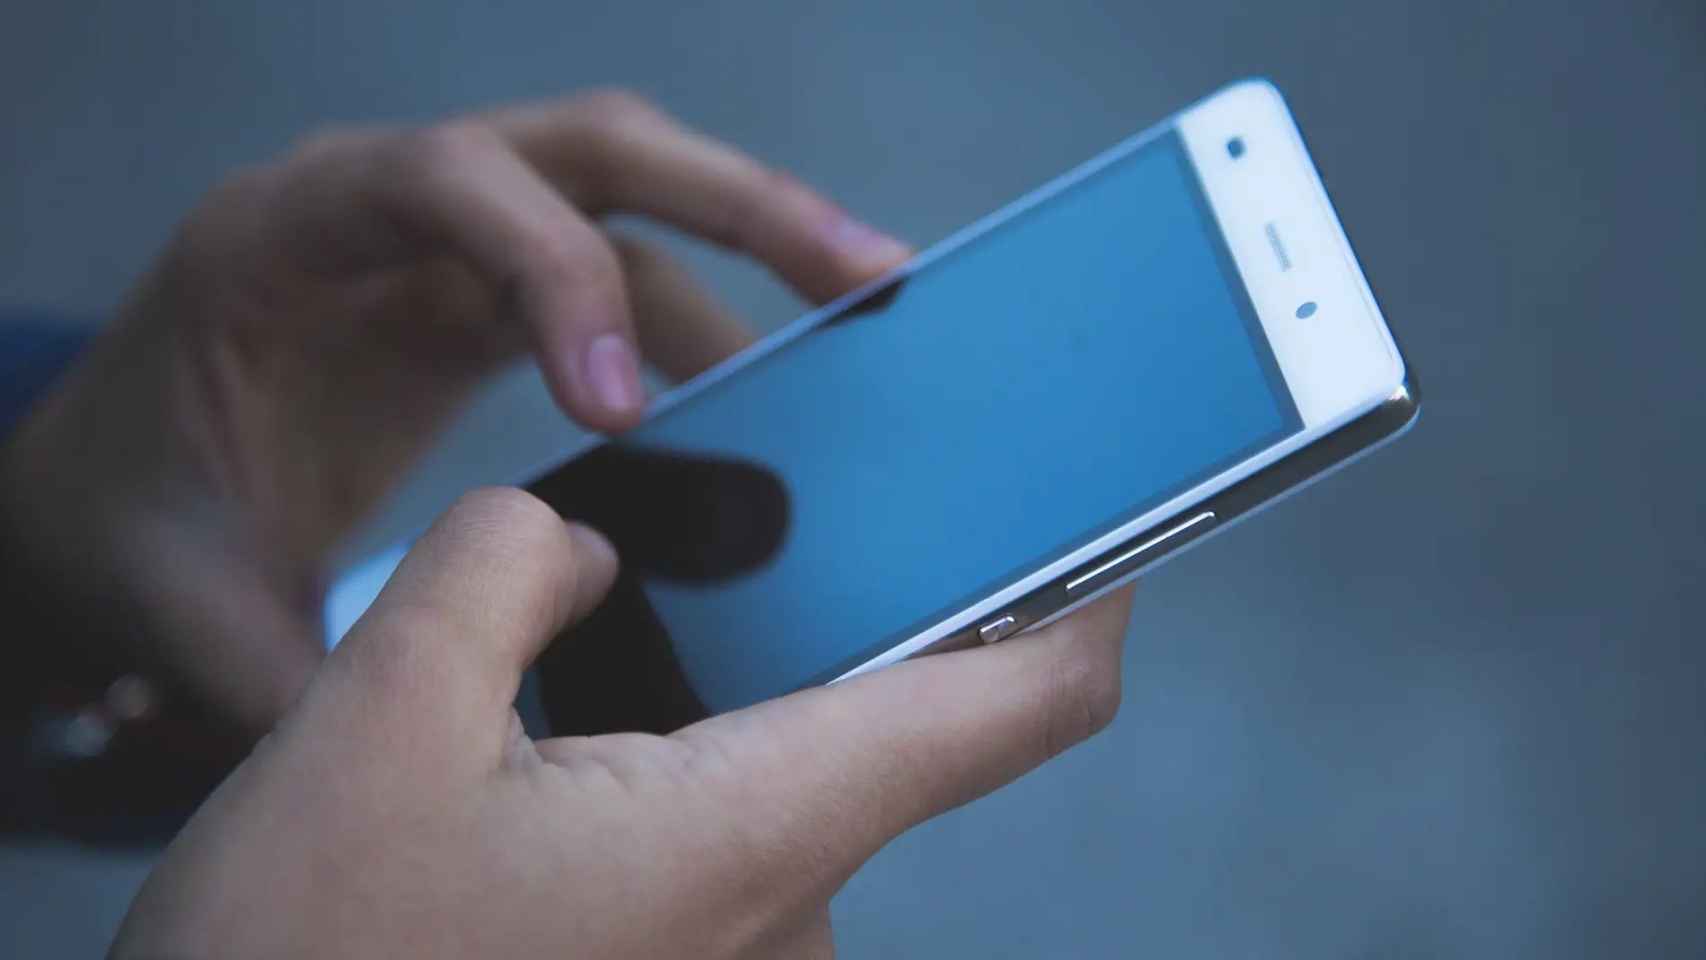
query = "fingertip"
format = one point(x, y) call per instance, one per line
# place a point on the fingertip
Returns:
point(612, 372)
point(863, 250)
point(598, 564)
point(598, 385)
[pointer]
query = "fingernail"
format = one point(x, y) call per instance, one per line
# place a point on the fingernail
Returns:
point(865, 243)
point(595, 547)
point(613, 373)
point(597, 565)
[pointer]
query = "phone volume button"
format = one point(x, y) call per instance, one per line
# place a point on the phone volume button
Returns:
point(1148, 549)
point(998, 629)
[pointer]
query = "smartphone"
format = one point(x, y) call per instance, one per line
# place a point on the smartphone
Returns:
point(1111, 369)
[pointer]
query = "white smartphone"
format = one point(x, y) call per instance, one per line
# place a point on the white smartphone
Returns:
point(1028, 414)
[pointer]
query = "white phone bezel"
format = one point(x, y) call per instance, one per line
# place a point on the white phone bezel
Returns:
point(1339, 363)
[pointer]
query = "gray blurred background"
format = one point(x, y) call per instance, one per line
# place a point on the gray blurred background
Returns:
point(1446, 704)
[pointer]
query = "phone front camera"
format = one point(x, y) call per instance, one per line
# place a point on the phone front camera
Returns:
point(1235, 147)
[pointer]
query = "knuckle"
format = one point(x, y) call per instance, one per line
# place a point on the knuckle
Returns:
point(583, 258)
point(221, 228)
point(584, 267)
point(794, 835)
point(395, 654)
point(442, 148)
point(607, 121)
point(245, 182)
point(331, 139)
point(1083, 698)
point(506, 515)
point(744, 210)
point(516, 551)
point(618, 108)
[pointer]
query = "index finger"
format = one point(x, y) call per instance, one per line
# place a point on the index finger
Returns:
point(855, 764)
point(613, 151)
point(360, 202)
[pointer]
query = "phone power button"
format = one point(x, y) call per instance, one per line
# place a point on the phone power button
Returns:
point(998, 629)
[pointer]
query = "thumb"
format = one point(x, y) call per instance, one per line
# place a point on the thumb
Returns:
point(439, 655)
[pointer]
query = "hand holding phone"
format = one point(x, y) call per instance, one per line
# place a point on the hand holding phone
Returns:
point(315, 323)
point(399, 809)
point(1113, 368)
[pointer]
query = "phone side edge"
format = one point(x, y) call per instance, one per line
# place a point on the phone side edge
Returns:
point(1246, 498)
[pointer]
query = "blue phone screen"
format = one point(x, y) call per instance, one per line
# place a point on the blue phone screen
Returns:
point(989, 412)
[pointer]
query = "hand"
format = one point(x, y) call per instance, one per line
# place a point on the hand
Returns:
point(399, 809)
point(311, 328)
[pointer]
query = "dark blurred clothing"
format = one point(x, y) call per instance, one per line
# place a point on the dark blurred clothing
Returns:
point(35, 348)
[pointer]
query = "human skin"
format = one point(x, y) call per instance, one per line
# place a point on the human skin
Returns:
point(400, 810)
point(301, 341)
point(172, 506)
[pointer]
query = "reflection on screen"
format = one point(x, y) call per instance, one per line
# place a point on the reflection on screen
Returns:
point(999, 407)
